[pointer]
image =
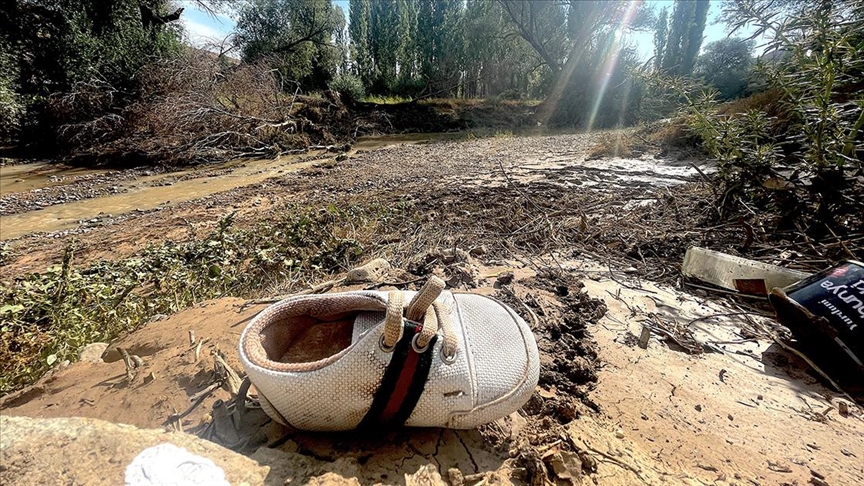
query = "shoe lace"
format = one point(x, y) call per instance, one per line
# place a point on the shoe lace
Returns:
point(431, 314)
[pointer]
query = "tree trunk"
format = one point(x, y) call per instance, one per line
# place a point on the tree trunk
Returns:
point(547, 109)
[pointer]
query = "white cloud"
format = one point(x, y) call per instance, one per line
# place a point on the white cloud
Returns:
point(200, 35)
point(204, 28)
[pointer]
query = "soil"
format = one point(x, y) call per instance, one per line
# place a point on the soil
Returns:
point(587, 256)
point(748, 415)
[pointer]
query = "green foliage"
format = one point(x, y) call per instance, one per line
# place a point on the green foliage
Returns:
point(440, 44)
point(727, 65)
point(408, 47)
point(428, 48)
point(496, 59)
point(386, 100)
point(72, 46)
point(11, 108)
point(676, 53)
point(819, 74)
point(61, 43)
point(692, 40)
point(390, 43)
point(359, 14)
point(742, 144)
point(296, 36)
point(579, 42)
point(47, 317)
point(812, 155)
point(348, 84)
point(661, 32)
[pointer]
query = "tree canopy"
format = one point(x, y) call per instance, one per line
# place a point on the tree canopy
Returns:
point(677, 44)
point(298, 36)
point(574, 55)
point(726, 65)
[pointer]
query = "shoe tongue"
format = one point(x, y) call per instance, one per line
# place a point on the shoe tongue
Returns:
point(364, 322)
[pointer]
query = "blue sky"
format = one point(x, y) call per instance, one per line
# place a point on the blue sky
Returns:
point(202, 28)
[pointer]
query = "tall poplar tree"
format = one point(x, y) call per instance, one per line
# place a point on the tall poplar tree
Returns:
point(661, 31)
point(359, 16)
point(684, 39)
point(692, 42)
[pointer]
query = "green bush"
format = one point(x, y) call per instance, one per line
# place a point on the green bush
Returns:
point(11, 108)
point(795, 149)
point(79, 63)
point(726, 65)
point(348, 84)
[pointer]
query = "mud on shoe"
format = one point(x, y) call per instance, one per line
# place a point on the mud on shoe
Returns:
point(361, 359)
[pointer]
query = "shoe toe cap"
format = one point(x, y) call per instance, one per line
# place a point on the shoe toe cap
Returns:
point(503, 351)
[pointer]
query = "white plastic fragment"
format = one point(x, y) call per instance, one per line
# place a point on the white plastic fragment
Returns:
point(169, 465)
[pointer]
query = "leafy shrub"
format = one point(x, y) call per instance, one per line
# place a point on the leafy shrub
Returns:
point(46, 317)
point(726, 65)
point(79, 63)
point(795, 149)
point(11, 108)
point(348, 84)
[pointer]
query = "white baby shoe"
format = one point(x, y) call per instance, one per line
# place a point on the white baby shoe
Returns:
point(364, 359)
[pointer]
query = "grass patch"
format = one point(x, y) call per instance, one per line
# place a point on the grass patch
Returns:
point(386, 100)
point(616, 144)
point(47, 317)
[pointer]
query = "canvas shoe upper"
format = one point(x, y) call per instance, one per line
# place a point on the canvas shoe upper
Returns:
point(362, 359)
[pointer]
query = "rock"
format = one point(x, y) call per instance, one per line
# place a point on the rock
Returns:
point(88, 451)
point(477, 251)
point(455, 476)
point(505, 278)
point(451, 255)
point(373, 271)
point(111, 355)
point(293, 468)
point(341, 157)
point(589, 464)
point(168, 464)
point(92, 353)
point(462, 274)
point(511, 425)
point(843, 408)
point(425, 476)
point(567, 466)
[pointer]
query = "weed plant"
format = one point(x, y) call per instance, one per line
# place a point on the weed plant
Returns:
point(795, 149)
point(48, 316)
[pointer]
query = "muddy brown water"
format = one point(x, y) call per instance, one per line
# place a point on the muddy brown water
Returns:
point(25, 177)
point(140, 196)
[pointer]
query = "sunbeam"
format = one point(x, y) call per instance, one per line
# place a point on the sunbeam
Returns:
point(611, 61)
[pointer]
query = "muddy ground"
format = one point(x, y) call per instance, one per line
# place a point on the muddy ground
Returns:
point(477, 172)
point(592, 247)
